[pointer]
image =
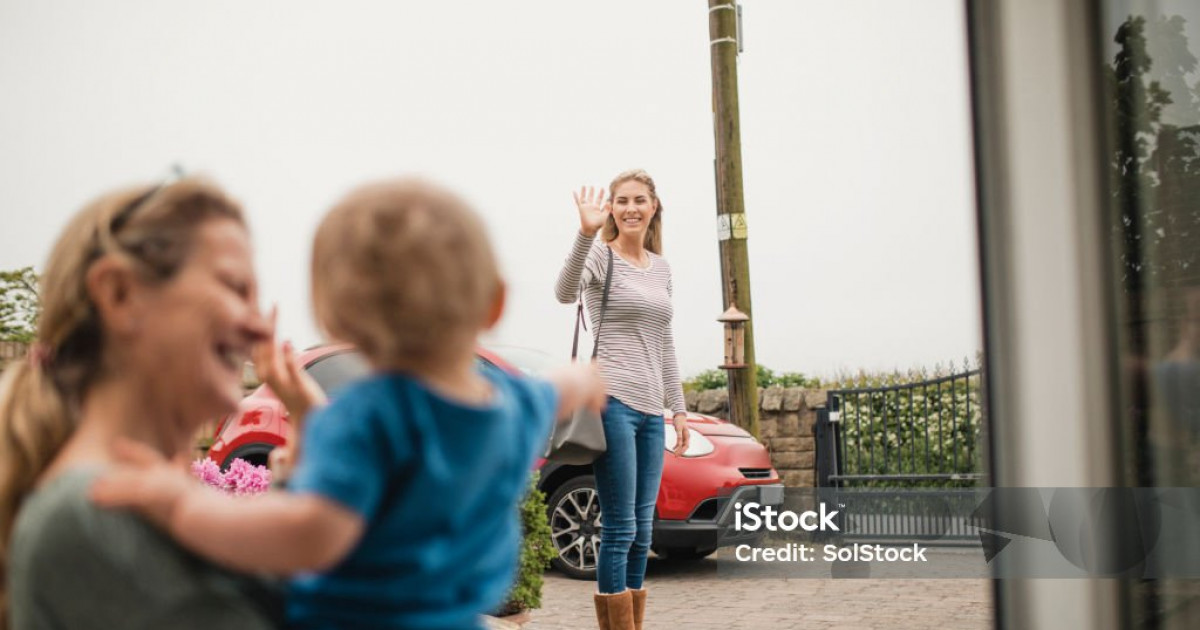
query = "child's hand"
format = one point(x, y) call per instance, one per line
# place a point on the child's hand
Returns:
point(144, 481)
point(277, 367)
point(281, 463)
point(579, 386)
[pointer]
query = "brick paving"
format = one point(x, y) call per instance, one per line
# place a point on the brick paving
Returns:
point(692, 596)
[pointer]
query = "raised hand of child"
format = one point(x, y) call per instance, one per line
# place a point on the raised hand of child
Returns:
point(144, 481)
point(281, 462)
point(276, 366)
point(579, 386)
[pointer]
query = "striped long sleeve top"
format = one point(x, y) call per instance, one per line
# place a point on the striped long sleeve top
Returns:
point(637, 349)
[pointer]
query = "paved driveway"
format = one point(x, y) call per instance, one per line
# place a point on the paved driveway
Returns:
point(692, 597)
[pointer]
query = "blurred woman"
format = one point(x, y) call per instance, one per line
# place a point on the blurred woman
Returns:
point(148, 311)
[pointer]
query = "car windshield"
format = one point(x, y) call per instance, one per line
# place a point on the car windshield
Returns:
point(335, 370)
point(531, 362)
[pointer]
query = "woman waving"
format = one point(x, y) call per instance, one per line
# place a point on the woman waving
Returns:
point(637, 358)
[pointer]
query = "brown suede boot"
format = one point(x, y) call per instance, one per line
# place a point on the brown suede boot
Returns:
point(601, 610)
point(639, 607)
point(614, 612)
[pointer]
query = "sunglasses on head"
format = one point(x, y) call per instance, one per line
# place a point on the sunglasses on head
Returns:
point(123, 216)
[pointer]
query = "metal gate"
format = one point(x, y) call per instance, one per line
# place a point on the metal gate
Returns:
point(905, 460)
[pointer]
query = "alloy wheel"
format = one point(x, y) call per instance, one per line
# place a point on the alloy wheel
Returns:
point(575, 529)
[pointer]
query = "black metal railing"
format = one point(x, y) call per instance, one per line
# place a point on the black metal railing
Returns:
point(918, 444)
point(924, 434)
point(943, 516)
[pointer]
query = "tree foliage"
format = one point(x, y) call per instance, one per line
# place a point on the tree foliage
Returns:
point(18, 304)
point(719, 379)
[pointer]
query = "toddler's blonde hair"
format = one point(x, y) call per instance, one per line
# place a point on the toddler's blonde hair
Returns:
point(403, 269)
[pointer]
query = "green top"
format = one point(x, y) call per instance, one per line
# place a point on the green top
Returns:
point(73, 566)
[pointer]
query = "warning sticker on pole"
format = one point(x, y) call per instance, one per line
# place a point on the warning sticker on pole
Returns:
point(731, 226)
point(739, 225)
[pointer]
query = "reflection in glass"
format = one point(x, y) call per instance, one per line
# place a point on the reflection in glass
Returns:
point(1152, 94)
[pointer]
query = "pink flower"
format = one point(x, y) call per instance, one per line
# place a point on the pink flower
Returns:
point(246, 478)
point(242, 478)
point(206, 470)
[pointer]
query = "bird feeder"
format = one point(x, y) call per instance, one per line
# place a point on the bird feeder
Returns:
point(735, 338)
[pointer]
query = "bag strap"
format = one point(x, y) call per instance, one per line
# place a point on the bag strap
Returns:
point(579, 319)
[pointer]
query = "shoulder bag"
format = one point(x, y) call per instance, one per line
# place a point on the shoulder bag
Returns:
point(580, 439)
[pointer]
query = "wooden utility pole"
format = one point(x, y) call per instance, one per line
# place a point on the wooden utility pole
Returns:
point(731, 207)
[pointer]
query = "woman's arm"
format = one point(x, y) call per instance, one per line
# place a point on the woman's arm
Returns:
point(593, 211)
point(672, 383)
point(571, 277)
point(673, 390)
point(673, 386)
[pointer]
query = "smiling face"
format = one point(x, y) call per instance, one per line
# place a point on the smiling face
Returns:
point(633, 206)
point(192, 334)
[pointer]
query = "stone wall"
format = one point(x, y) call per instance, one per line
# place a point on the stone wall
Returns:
point(786, 418)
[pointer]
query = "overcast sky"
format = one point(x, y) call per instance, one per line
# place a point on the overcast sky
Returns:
point(855, 137)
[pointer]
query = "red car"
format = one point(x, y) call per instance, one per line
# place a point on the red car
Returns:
point(723, 465)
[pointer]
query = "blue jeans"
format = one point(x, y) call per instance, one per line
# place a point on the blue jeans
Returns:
point(627, 477)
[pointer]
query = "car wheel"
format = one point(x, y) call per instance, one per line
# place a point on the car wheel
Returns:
point(574, 514)
point(684, 554)
point(256, 454)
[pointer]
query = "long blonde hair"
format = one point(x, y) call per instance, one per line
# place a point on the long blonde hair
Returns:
point(653, 240)
point(153, 228)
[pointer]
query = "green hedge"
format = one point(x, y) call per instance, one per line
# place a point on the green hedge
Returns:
point(718, 379)
point(924, 429)
point(536, 552)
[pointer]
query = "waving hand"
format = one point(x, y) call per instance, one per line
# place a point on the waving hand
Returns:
point(593, 210)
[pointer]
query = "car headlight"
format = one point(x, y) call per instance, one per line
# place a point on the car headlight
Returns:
point(698, 445)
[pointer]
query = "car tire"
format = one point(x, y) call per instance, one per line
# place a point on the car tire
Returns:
point(685, 554)
point(574, 514)
point(256, 454)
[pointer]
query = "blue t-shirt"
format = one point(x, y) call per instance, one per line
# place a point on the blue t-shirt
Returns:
point(437, 483)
